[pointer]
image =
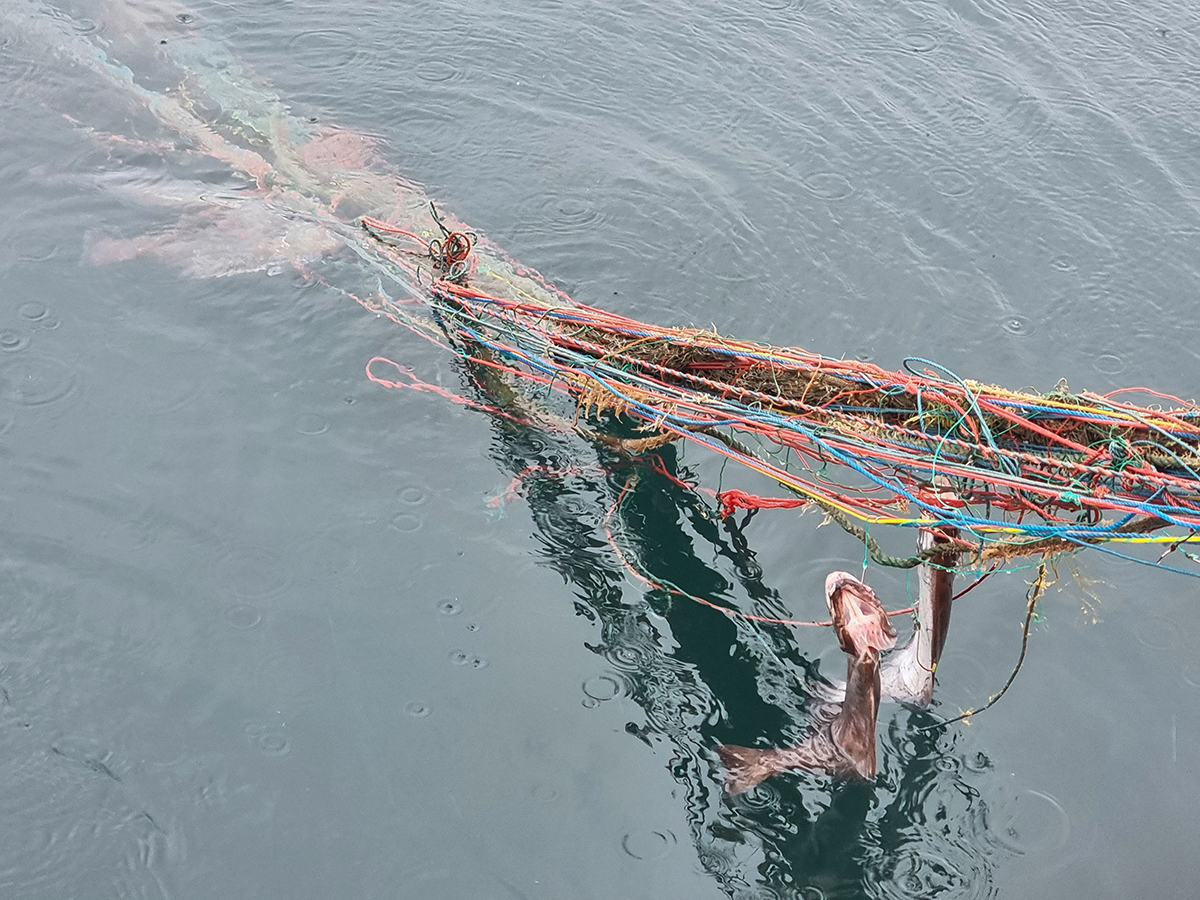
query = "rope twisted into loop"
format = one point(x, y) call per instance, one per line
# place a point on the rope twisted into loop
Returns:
point(452, 254)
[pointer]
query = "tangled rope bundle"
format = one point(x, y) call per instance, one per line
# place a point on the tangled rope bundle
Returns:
point(450, 254)
point(1018, 473)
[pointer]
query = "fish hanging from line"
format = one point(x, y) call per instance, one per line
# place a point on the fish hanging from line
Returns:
point(841, 739)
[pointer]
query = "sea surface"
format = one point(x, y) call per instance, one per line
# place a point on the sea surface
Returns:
point(270, 630)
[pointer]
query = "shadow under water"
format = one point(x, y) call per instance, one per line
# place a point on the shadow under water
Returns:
point(703, 678)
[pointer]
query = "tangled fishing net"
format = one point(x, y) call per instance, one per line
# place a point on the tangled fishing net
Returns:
point(1018, 474)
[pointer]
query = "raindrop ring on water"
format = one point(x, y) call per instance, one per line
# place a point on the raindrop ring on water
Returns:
point(1017, 325)
point(242, 616)
point(334, 49)
point(1191, 674)
point(274, 743)
point(918, 41)
point(252, 572)
point(85, 26)
point(571, 212)
point(11, 341)
point(648, 845)
point(268, 739)
point(602, 687)
point(418, 710)
point(311, 424)
point(1039, 827)
point(628, 657)
point(951, 182)
point(1156, 632)
point(413, 496)
point(406, 523)
point(437, 71)
point(32, 380)
point(762, 796)
point(829, 185)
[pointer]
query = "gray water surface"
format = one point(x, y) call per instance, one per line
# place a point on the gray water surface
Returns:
point(270, 630)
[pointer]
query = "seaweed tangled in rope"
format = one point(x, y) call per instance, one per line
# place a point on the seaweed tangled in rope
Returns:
point(1017, 473)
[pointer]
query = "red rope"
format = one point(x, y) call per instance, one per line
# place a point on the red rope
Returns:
point(733, 500)
point(1065, 484)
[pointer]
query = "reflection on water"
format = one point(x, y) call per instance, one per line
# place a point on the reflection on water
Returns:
point(923, 829)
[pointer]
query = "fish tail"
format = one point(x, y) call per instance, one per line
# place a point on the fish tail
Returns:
point(746, 766)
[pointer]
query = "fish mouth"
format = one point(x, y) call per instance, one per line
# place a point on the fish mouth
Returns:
point(838, 580)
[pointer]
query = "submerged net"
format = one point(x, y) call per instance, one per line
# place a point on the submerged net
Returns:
point(1017, 473)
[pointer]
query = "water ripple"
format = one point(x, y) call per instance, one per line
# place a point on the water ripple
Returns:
point(35, 247)
point(829, 185)
point(437, 71)
point(33, 310)
point(252, 572)
point(412, 495)
point(269, 740)
point(80, 823)
point(951, 181)
point(34, 380)
point(406, 523)
point(12, 341)
point(311, 424)
point(602, 687)
point(329, 50)
point(1109, 364)
point(1036, 827)
point(919, 40)
point(920, 872)
point(242, 616)
point(649, 845)
point(1016, 325)
point(418, 710)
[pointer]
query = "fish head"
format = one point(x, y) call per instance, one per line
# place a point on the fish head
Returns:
point(859, 618)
